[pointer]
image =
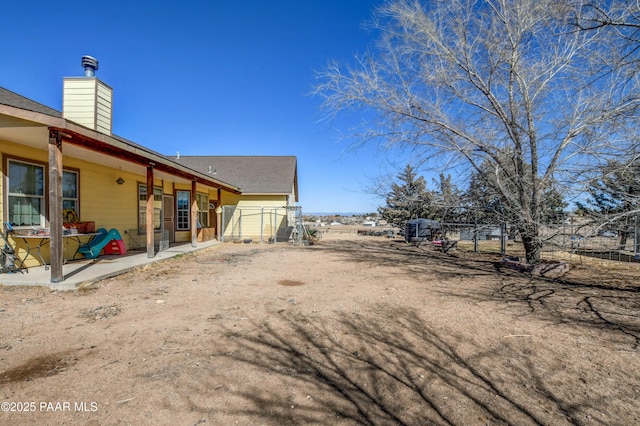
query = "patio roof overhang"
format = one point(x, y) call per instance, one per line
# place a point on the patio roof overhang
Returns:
point(32, 129)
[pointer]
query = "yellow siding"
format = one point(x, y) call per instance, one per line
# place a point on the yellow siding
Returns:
point(262, 200)
point(79, 101)
point(79, 83)
point(15, 150)
point(103, 115)
point(102, 200)
point(229, 199)
point(87, 101)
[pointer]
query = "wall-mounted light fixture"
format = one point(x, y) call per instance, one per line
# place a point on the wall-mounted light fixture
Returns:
point(120, 181)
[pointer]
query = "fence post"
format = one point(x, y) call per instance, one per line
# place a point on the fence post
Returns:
point(262, 225)
point(222, 226)
point(475, 239)
point(636, 245)
point(503, 235)
point(573, 237)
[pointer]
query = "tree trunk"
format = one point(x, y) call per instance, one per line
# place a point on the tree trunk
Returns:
point(532, 243)
point(624, 235)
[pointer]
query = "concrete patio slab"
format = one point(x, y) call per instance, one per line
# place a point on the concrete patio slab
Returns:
point(87, 271)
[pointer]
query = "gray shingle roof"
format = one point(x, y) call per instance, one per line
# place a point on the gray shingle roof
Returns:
point(7, 97)
point(252, 174)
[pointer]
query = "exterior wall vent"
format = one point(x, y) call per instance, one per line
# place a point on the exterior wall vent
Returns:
point(87, 100)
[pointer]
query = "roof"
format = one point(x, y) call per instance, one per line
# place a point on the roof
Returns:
point(118, 146)
point(12, 99)
point(7, 97)
point(253, 174)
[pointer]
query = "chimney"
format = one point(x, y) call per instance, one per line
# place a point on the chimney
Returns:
point(87, 100)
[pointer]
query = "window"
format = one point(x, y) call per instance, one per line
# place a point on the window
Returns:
point(70, 191)
point(183, 210)
point(26, 201)
point(26, 194)
point(142, 208)
point(203, 210)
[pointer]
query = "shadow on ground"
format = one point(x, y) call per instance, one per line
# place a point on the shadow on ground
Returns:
point(387, 364)
point(390, 366)
point(600, 300)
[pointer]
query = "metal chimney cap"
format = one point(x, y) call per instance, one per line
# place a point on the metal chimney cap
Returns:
point(90, 65)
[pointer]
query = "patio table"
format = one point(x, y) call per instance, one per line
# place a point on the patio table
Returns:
point(37, 241)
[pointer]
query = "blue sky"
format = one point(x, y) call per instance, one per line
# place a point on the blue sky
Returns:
point(206, 77)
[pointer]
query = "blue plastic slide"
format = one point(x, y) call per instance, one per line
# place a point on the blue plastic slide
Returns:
point(92, 249)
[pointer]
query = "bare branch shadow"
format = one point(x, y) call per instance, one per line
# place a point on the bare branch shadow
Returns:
point(389, 366)
point(599, 302)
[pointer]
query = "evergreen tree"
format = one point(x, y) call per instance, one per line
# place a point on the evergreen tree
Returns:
point(615, 197)
point(448, 200)
point(407, 199)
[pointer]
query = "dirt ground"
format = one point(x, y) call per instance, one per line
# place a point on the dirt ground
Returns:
point(352, 330)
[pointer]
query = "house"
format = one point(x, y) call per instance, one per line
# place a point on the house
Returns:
point(53, 162)
point(267, 204)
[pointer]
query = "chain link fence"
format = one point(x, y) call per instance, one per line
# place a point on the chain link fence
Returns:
point(576, 244)
point(262, 224)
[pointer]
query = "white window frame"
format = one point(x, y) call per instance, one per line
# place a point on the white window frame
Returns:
point(71, 198)
point(183, 213)
point(11, 196)
point(202, 200)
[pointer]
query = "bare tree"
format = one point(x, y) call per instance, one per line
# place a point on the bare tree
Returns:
point(510, 84)
point(621, 17)
point(614, 187)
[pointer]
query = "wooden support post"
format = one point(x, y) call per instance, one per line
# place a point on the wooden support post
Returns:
point(55, 206)
point(219, 222)
point(149, 212)
point(218, 215)
point(194, 215)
